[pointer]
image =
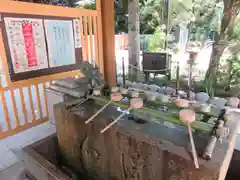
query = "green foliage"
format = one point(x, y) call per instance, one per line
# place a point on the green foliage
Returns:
point(180, 12)
point(91, 6)
point(235, 35)
point(235, 65)
point(207, 19)
point(229, 73)
point(209, 88)
point(230, 12)
point(121, 18)
point(151, 15)
point(156, 42)
point(154, 13)
point(229, 70)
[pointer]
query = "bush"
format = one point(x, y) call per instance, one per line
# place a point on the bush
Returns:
point(156, 42)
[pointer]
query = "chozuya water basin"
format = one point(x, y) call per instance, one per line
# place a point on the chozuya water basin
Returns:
point(130, 150)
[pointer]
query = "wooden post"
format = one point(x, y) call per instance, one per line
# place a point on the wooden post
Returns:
point(105, 10)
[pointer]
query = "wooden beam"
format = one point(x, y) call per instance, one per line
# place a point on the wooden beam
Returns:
point(10, 6)
point(105, 9)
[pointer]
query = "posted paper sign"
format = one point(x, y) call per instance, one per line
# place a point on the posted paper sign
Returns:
point(77, 33)
point(60, 42)
point(27, 45)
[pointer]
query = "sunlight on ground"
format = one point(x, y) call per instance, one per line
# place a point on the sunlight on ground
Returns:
point(199, 70)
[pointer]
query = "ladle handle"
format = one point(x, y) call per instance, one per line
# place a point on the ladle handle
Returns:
point(194, 152)
point(115, 121)
point(97, 113)
point(79, 104)
point(207, 155)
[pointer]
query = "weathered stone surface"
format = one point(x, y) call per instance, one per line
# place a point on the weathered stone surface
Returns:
point(204, 107)
point(218, 102)
point(231, 110)
point(207, 108)
point(151, 96)
point(202, 97)
point(133, 151)
point(137, 85)
point(162, 97)
point(153, 87)
point(41, 160)
point(128, 83)
point(162, 89)
point(123, 90)
point(77, 92)
point(170, 91)
point(233, 102)
point(182, 94)
point(143, 86)
point(70, 82)
point(133, 94)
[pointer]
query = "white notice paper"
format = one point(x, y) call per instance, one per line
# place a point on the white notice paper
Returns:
point(60, 42)
point(26, 40)
point(77, 33)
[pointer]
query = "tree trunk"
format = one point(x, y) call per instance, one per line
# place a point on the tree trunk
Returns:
point(211, 75)
point(133, 35)
point(230, 12)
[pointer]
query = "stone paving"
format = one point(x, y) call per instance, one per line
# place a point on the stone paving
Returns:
point(10, 164)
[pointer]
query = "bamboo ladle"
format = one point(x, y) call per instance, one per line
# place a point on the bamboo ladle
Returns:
point(114, 97)
point(135, 103)
point(188, 116)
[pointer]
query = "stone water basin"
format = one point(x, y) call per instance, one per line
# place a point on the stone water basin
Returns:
point(42, 160)
point(136, 151)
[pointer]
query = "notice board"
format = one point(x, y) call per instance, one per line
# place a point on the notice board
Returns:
point(40, 45)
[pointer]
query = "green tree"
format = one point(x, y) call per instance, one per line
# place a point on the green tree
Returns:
point(206, 19)
point(156, 42)
point(91, 6)
point(230, 11)
point(229, 71)
point(151, 15)
point(121, 16)
point(154, 13)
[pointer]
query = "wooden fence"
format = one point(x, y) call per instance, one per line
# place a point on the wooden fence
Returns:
point(23, 103)
point(121, 41)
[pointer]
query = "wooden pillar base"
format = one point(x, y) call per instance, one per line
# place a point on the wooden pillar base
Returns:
point(106, 11)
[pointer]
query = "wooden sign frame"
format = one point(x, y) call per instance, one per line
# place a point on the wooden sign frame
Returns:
point(42, 72)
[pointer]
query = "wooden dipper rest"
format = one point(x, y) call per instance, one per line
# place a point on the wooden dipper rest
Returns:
point(123, 91)
point(188, 117)
point(114, 89)
point(133, 93)
point(114, 97)
point(150, 96)
point(181, 102)
point(135, 103)
point(97, 92)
